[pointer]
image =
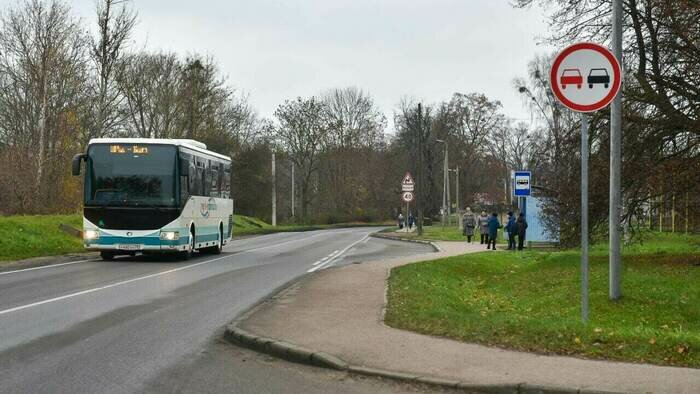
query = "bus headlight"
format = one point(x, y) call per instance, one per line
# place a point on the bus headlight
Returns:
point(91, 234)
point(169, 235)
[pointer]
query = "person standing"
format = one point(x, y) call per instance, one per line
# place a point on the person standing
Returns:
point(511, 229)
point(468, 224)
point(411, 220)
point(400, 219)
point(484, 227)
point(493, 226)
point(522, 226)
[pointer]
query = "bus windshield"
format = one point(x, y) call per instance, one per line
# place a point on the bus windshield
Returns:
point(131, 175)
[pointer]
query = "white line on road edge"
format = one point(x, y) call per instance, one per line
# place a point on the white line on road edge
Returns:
point(19, 308)
point(330, 261)
point(44, 266)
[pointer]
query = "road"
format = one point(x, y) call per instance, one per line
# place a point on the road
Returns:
point(137, 324)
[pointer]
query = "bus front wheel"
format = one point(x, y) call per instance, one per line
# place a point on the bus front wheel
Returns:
point(107, 255)
point(186, 254)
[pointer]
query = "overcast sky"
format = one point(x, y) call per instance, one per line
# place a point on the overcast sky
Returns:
point(277, 50)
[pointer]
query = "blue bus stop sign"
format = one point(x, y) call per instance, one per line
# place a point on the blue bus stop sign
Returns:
point(522, 183)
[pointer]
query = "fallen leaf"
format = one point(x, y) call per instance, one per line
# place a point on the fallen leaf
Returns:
point(577, 340)
point(598, 330)
point(652, 341)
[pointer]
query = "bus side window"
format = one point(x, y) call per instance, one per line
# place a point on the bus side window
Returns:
point(185, 165)
point(214, 191)
point(207, 178)
point(227, 181)
point(199, 178)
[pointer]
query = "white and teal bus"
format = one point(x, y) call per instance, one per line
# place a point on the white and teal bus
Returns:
point(155, 195)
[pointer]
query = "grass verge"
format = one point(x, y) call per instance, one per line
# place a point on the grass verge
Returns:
point(438, 233)
point(531, 301)
point(23, 237)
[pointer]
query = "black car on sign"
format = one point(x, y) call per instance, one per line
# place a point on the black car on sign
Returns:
point(598, 76)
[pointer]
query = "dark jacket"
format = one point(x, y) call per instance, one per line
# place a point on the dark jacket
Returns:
point(511, 227)
point(494, 225)
point(522, 226)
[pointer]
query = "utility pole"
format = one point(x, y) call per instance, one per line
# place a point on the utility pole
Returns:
point(274, 192)
point(448, 189)
point(459, 210)
point(293, 189)
point(445, 181)
point(420, 184)
point(615, 291)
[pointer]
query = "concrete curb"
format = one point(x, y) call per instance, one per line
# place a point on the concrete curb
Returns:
point(417, 241)
point(290, 352)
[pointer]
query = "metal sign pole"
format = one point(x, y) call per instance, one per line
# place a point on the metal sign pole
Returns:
point(584, 217)
point(615, 291)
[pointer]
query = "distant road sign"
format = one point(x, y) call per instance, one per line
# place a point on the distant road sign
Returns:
point(407, 183)
point(407, 196)
point(585, 77)
point(522, 183)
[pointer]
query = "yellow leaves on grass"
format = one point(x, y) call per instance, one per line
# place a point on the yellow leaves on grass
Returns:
point(577, 340)
point(652, 341)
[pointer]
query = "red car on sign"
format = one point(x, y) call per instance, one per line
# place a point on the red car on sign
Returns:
point(571, 76)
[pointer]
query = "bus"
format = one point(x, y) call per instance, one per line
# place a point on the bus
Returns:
point(146, 195)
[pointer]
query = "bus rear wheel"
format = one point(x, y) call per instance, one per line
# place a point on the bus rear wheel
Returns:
point(107, 255)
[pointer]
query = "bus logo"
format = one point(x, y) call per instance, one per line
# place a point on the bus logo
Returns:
point(208, 206)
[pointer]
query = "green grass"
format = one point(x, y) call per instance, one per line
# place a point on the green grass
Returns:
point(531, 301)
point(22, 237)
point(448, 233)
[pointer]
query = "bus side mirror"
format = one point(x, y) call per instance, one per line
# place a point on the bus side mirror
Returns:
point(76, 163)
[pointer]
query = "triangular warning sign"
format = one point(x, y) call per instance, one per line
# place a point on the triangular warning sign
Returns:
point(407, 179)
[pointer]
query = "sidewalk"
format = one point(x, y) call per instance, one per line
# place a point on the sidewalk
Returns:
point(339, 311)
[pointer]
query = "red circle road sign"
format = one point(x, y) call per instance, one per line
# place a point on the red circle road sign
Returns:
point(585, 77)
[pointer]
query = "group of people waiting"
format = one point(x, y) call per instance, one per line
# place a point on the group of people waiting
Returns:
point(488, 228)
point(409, 221)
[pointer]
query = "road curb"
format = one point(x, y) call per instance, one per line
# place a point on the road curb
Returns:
point(417, 241)
point(291, 352)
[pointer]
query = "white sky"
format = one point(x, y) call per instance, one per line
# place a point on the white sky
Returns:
point(277, 50)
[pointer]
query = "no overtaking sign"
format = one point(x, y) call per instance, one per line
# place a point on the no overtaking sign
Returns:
point(585, 77)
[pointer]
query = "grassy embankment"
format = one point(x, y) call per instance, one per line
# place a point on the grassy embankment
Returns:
point(531, 301)
point(23, 237)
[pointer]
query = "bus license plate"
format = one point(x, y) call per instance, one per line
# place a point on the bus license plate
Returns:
point(129, 247)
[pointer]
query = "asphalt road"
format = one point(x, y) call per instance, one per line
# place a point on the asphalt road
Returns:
point(144, 325)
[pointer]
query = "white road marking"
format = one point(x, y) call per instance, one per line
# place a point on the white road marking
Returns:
point(330, 261)
point(63, 297)
point(44, 266)
point(124, 282)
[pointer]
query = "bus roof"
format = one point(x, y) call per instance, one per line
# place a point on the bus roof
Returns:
point(190, 144)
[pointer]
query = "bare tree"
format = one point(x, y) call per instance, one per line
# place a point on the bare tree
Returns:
point(356, 130)
point(115, 22)
point(42, 83)
point(302, 126)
